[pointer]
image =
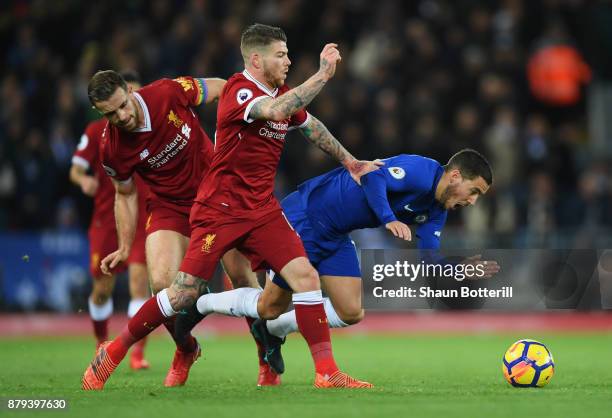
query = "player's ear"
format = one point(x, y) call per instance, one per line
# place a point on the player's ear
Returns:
point(456, 176)
point(256, 60)
point(130, 88)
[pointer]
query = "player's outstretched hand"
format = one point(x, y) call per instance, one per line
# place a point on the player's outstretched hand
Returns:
point(400, 230)
point(89, 185)
point(359, 168)
point(490, 267)
point(330, 56)
point(112, 260)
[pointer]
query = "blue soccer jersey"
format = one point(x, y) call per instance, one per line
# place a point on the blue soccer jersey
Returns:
point(404, 189)
point(327, 208)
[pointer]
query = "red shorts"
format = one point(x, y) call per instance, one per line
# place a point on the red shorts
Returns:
point(166, 215)
point(103, 241)
point(268, 241)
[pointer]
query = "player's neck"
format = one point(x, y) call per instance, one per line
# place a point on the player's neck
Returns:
point(259, 76)
point(139, 113)
point(442, 185)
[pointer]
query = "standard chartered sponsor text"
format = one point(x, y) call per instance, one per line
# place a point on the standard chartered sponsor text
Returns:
point(169, 151)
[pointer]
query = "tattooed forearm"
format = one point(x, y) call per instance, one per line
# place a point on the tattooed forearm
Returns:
point(320, 136)
point(289, 103)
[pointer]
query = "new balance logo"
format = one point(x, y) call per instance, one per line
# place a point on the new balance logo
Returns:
point(186, 130)
point(144, 154)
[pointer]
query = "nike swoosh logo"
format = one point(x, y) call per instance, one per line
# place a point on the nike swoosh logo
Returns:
point(407, 207)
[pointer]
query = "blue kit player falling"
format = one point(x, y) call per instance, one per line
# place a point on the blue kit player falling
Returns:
point(407, 190)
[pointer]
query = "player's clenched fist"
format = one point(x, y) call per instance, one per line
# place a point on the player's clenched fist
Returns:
point(400, 230)
point(330, 56)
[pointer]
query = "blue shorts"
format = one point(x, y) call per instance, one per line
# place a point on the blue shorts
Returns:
point(330, 255)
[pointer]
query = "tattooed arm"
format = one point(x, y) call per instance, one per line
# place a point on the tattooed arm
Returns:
point(285, 106)
point(319, 135)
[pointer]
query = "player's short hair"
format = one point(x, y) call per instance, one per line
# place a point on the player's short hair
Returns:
point(130, 76)
point(103, 85)
point(259, 35)
point(471, 164)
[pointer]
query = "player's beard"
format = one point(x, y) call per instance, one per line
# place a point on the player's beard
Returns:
point(447, 194)
point(129, 126)
point(269, 76)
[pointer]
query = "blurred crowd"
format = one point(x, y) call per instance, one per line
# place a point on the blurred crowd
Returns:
point(424, 76)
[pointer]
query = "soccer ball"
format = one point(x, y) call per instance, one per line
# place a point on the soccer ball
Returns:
point(528, 363)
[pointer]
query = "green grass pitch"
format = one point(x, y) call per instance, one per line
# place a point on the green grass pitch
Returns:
point(415, 375)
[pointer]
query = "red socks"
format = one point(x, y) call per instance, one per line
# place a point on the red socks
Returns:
point(155, 311)
point(312, 323)
point(100, 330)
point(142, 324)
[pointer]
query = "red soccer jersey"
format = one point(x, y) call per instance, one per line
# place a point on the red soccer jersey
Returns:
point(171, 152)
point(247, 151)
point(87, 155)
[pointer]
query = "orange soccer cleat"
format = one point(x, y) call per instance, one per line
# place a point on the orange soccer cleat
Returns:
point(179, 370)
point(137, 360)
point(99, 370)
point(340, 380)
point(267, 377)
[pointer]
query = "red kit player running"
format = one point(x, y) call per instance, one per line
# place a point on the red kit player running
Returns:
point(103, 234)
point(155, 133)
point(236, 208)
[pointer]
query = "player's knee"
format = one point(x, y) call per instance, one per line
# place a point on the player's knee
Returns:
point(102, 291)
point(100, 297)
point(306, 280)
point(157, 285)
point(352, 316)
point(159, 281)
point(243, 279)
point(270, 312)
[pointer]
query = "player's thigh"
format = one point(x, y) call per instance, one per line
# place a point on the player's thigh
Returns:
point(239, 270)
point(273, 243)
point(213, 234)
point(138, 280)
point(345, 295)
point(165, 250)
point(273, 301)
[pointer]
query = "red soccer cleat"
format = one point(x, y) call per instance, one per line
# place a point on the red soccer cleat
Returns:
point(99, 370)
point(340, 380)
point(267, 377)
point(179, 370)
point(137, 360)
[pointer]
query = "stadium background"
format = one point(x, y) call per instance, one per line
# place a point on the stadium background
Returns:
point(424, 76)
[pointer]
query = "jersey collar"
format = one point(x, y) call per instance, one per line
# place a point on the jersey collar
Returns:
point(261, 87)
point(145, 111)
